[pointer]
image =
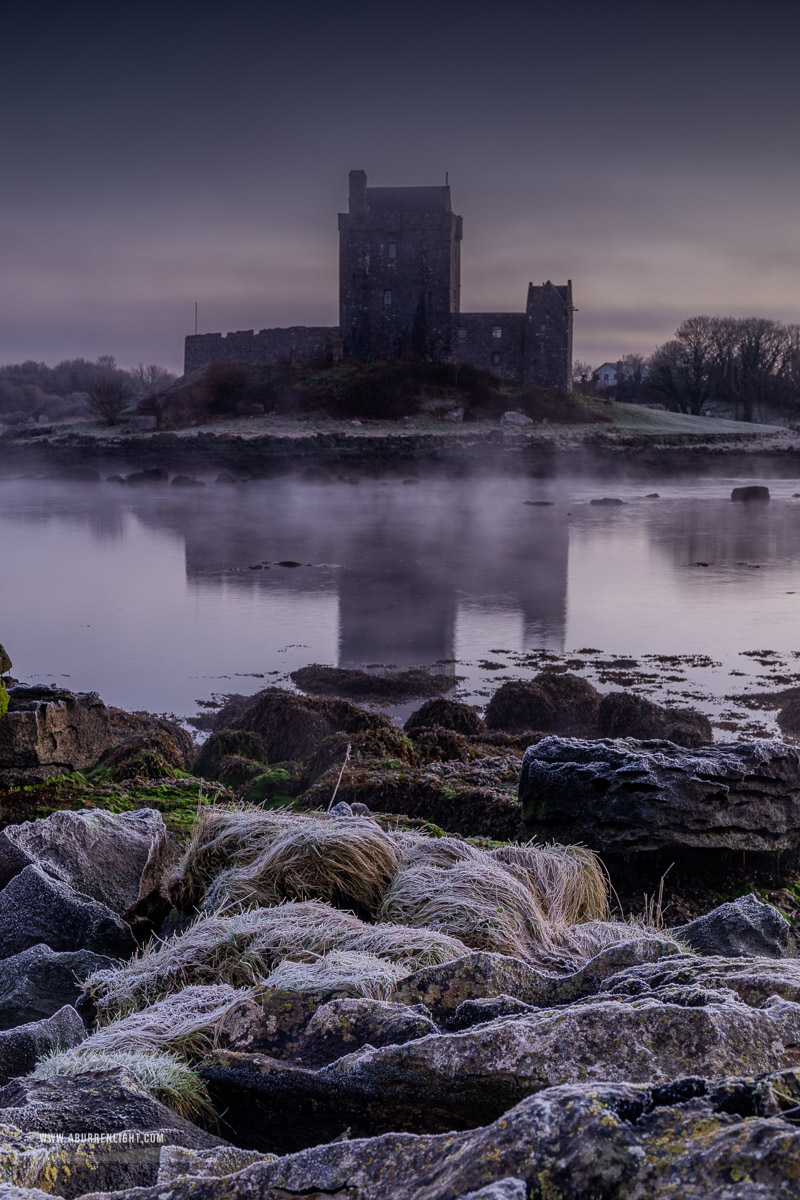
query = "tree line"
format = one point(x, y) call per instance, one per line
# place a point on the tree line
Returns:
point(75, 387)
point(750, 366)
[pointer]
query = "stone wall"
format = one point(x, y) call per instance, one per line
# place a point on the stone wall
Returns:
point(474, 342)
point(297, 343)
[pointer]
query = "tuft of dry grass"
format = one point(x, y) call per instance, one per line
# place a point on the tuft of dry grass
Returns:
point(236, 860)
point(477, 901)
point(416, 848)
point(184, 1022)
point(569, 881)
point(347, 972)
point(164, 1075)
point(241, 949)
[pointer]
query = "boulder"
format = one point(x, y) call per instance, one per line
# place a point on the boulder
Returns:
point(35, 907)
point(516, 420)
point(460, 1080)
point(47, 731)
point(151, 475)
point(752, 492)
point(5, 661)
point(554, 701)
point(636, 797)
point(344, 1025)
point(119, 859)
point(21, 1048)
point(292, 726)
point(38, 981)
point(626, 715)
point(617, 1141)
point(607, 501)
point(142, 422)
point(109, 1132)
point(743, 927)
point(446, 714)
point(187, 481)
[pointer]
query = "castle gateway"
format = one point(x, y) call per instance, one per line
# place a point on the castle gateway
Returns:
point(400, 297)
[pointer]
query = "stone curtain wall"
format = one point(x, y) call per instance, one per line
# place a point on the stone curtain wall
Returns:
point(502, 356)
point(298, 343)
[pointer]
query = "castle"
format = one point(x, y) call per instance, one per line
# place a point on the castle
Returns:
point(400, 297)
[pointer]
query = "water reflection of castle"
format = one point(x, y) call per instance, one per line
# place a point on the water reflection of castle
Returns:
point(401, 566)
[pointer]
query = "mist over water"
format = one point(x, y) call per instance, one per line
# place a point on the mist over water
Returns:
point(151, 597)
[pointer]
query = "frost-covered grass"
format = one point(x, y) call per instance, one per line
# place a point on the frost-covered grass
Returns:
point(164, 1075)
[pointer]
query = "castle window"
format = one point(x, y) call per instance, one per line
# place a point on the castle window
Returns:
point(387, 298)
point(497, 331)
point(462, 333)
point(392, 248)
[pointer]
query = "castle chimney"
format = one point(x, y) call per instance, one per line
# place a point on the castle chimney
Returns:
point(358, 191)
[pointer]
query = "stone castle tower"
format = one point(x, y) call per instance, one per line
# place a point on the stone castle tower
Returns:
point(400, 297)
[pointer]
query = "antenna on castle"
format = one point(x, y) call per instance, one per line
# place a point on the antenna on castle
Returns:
point(195, 318)
point(447, 179)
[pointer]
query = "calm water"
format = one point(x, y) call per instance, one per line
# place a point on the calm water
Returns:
point(150, 597)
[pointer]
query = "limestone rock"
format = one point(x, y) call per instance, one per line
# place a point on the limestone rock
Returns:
point(442, 988)
point(618, 1141)
point(742, 927)
point(35, 907)
point(38, 981)
point(649, 796)
point(108, 1103)
point(475, 1012)
point(625, 715)
point(47, 731)
point(21, 1048)
point(460, 1080)
point(119, 859)
point(515, 419)
point(553, 701)
point(482, 976)
point(341, 1026)
point(205, 1164)
point(754, 980)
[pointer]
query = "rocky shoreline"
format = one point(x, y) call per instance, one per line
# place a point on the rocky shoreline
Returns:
point(319, 955)
point(320, 454)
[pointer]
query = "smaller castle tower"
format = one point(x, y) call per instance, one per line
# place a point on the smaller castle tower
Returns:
point(547, 350)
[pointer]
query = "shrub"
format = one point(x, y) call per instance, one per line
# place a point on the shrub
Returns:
point(3, 701)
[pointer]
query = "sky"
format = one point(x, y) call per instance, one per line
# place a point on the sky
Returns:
point(158, 155)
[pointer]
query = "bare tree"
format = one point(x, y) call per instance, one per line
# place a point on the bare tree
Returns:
point(150, 377)
point(581, 376)
point(108, 399)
